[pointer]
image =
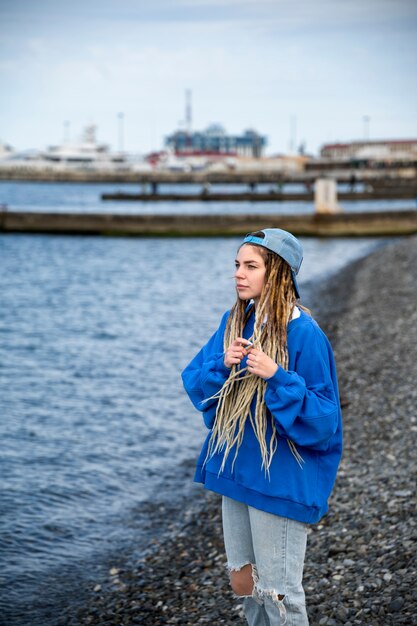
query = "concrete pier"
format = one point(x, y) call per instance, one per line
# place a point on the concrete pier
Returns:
point(370, 224)
point(271, 196)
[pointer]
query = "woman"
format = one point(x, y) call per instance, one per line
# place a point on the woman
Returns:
point(266, 385)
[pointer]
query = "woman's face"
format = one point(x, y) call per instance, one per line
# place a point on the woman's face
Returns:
point(250, 273)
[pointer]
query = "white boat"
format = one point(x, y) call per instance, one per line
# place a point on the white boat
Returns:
point(86, 154)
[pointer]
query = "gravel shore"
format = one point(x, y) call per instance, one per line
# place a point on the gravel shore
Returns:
point(360, 564)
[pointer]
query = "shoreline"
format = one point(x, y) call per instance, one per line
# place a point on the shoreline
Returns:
point(358, 563)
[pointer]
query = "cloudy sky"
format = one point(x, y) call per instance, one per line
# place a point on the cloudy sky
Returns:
point(312, 71)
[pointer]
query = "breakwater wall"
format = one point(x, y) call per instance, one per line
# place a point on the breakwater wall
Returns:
point(370, 224)
point(392, 177)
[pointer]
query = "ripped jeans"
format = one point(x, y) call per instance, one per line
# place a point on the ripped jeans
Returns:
point(275, 547)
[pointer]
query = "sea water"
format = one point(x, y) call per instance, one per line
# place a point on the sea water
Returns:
point(95, 426)
point(86, 198)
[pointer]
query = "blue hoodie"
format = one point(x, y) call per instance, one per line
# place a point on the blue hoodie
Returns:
point(304, 404)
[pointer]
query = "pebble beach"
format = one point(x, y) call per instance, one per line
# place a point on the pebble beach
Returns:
point(360, 564)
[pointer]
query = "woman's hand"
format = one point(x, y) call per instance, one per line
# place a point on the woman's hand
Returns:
point(236, 351)
point(260, 364)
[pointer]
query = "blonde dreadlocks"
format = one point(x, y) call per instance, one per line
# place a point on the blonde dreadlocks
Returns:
point(273, 312)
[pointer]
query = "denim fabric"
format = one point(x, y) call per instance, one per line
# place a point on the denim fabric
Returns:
point(275, 547)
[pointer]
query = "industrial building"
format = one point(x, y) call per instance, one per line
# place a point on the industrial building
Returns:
point(215, 141)
point(379, 150)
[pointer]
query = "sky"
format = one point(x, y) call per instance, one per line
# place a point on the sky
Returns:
point(297, 71)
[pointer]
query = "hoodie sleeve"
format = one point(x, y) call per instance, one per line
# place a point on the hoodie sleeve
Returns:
point(205, 375)
point(305, 403)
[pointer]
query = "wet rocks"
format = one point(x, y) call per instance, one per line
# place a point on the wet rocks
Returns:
point(360, 565)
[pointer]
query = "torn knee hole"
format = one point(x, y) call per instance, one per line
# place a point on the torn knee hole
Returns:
point(243, 579)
